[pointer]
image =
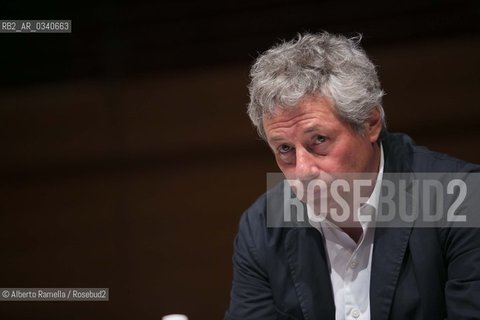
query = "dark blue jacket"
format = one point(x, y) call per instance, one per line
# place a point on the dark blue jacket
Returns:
point(417, 273)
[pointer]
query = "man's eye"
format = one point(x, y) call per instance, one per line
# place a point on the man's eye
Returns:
point(284, 148)
point(320, 139)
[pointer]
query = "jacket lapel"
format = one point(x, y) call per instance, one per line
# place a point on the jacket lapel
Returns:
point(310, 274)
point(390, 242)
point(388, 251)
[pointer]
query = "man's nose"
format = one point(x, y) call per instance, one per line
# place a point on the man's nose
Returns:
point(306, 167)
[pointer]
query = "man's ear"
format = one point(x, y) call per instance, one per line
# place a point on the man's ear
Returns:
point(374, 125)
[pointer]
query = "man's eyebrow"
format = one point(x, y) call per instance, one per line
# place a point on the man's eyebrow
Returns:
point(307, 130)
point(312, 129)
point(276, 138)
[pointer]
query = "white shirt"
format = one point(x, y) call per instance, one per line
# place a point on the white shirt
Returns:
point(350, 263)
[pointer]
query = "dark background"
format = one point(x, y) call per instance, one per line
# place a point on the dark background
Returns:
point(126, 155)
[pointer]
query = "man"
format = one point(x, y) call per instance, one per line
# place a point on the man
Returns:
point(316, 101)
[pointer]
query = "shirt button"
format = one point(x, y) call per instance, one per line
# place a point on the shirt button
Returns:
point(354, 264)
point(356, 313)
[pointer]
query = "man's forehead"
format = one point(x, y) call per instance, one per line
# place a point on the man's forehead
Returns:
point(311, 115)
point(309, 102)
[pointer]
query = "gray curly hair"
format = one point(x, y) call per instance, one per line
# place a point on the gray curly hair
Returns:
point(316, 64)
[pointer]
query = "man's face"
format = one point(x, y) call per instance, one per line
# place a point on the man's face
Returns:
point(310, 141)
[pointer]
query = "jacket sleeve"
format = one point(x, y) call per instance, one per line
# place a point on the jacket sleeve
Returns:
point(462, 289)
point(462, 255)
point(251, 294)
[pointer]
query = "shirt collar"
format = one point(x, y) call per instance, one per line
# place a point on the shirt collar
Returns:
point(375, 196)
